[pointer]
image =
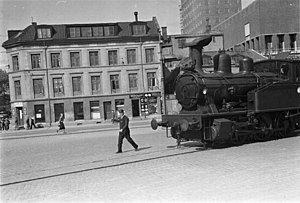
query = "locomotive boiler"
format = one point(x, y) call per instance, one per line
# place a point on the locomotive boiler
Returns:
point(232, 108)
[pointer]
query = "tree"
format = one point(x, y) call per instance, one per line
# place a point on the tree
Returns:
point(4, 92)
point(4, 84)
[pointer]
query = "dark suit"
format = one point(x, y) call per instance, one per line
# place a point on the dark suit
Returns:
point(124, 122)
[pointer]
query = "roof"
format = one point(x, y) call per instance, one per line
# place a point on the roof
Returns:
point(28, 36)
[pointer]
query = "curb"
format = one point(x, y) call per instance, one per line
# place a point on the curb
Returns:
point(9, 137)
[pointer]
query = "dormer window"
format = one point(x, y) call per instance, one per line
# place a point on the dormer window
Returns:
point(138, 29)
point(44, 33)
point(92, 31)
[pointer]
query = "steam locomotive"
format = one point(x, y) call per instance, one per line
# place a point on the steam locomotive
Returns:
point(260, 102)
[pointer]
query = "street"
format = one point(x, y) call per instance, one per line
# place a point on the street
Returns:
point(83, 167)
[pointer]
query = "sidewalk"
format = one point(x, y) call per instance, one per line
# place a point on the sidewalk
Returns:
point(74, 127)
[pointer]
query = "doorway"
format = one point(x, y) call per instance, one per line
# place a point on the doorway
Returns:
point(19, 112)
point(135, 107)
point(58, 109)
point(107, 110)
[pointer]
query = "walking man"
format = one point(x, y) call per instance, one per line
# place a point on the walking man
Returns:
point(124, 131)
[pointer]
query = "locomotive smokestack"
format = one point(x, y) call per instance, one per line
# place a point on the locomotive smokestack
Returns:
point(196, 47)
point(136, 16)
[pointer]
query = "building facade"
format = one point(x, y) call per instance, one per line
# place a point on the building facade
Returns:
point(86, 71)
point(194, 13)
point(267, 27)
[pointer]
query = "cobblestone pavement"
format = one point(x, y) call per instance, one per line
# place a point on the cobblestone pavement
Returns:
point(258, 172)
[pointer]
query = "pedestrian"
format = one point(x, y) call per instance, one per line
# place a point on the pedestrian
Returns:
point(16, 123)
point(32, 123)
point(124, 131)
point(27, 123)
point(61, 125)
point(3, 123)
point(113, 116)
point(6, 124)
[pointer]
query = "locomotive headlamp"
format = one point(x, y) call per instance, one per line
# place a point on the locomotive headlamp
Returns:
point(298, 90)
point(204, 91)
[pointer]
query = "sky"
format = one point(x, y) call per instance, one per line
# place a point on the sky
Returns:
point(18, 14)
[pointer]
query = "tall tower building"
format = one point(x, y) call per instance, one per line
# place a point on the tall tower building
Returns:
point(194, 13)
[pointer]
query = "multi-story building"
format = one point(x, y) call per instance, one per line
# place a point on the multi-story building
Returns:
point(267, 27)
point(85, 71)
point(194, 13)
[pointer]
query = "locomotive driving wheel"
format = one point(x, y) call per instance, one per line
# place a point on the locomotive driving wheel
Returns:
point(282, 125)
point(264, 123)
point(237, 139)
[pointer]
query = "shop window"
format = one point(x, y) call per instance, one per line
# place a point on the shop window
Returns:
point(39, 111)
point(78, 111)
point(119, 104)
point(95, 109)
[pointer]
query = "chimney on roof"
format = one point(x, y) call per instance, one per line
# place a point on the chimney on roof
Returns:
point(34, 23)
point(164, 33)
point(136, 16)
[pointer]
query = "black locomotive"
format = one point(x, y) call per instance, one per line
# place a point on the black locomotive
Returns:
point(260, 102)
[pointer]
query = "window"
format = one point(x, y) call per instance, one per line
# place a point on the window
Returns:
point(95, 109)
point(95, 84)
point(151, 80)
point(74, 32)
point(149, 55)
point(35, 61)
point(114, 82)
point(18, 94)
point(78, 111)
point(58, 87)
point(109, 30)
point(133, 82)
point(39, 111)
point(44, 33)
point(38, 88)
point(15, 63)
point(139, 29)
point(113, 57)
point(76, 84)
point(75, 59)
point(97, 31)
point(94, 58)
point(55, 60)
point(131, 56)
point(86, 31)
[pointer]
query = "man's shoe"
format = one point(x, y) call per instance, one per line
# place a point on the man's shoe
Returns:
point(118, 152)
